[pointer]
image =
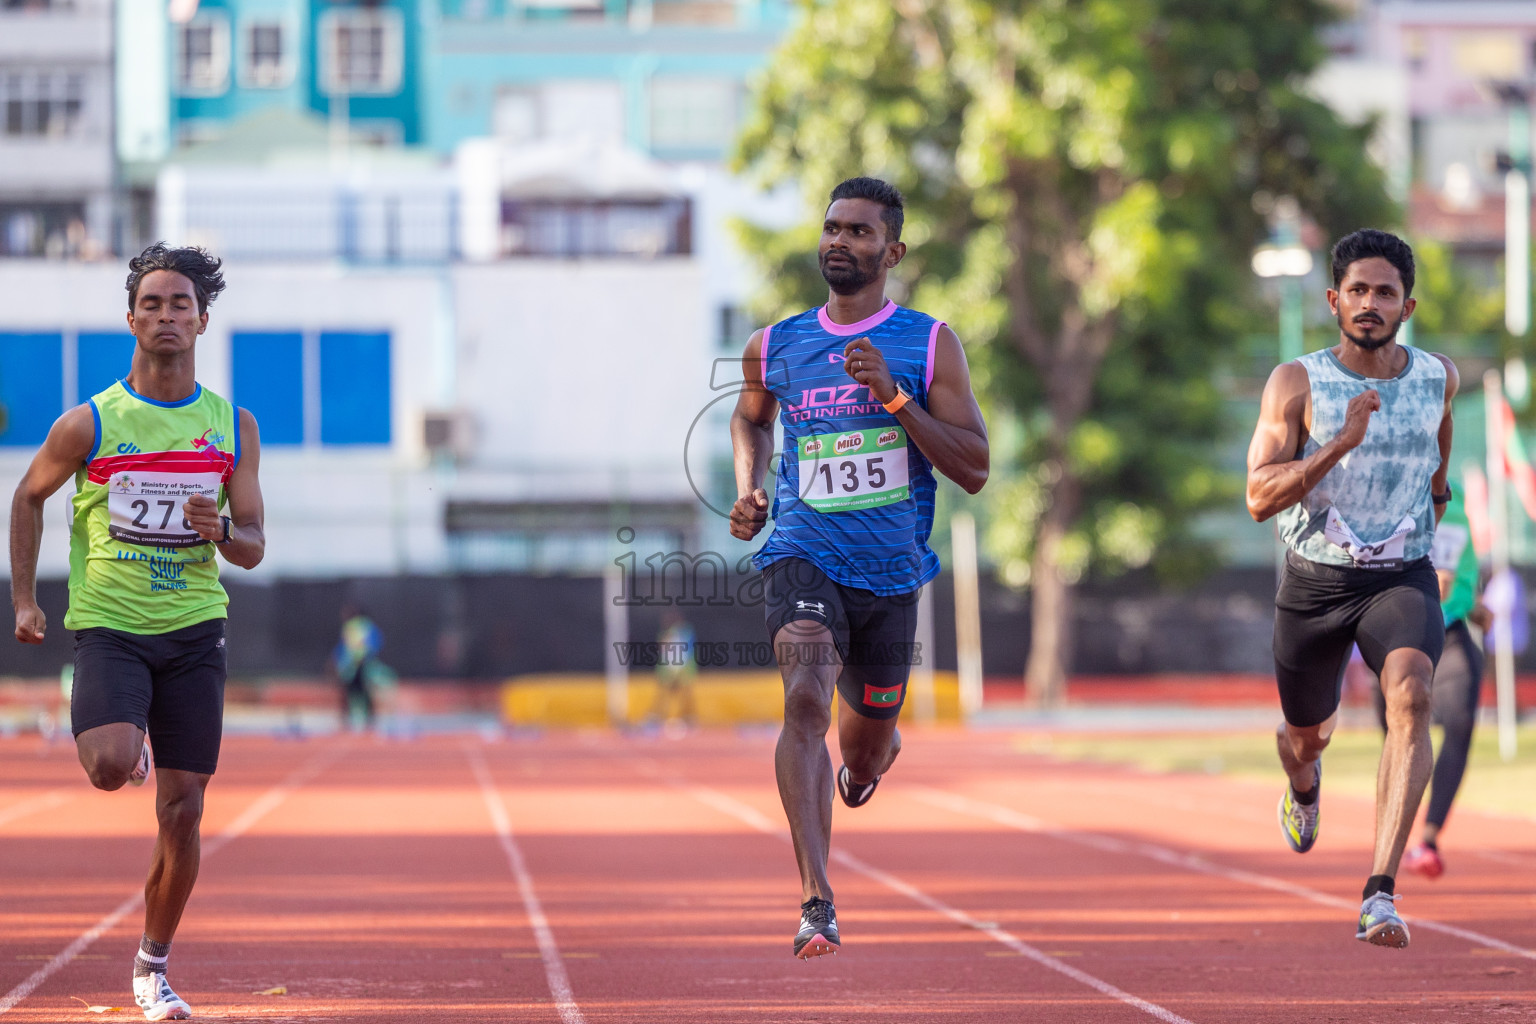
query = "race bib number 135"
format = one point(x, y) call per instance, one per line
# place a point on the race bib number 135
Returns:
point(853, 470)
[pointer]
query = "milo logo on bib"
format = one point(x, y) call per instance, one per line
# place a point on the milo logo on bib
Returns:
point(854, 470)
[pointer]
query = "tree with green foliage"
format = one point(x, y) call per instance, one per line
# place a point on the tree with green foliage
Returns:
point(1081, 179)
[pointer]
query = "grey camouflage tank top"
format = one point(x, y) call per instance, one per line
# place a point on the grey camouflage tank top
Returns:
point(1381, 490)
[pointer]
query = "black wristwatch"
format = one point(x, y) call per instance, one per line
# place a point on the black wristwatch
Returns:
point(1444, 498)
point(226, 538)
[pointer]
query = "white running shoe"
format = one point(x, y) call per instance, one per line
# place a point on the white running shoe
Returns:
point(141, 770)
point(1380, 924)
point(154, 996)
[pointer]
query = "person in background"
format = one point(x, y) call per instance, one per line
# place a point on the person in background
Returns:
point(676, 667)
point(355, 655)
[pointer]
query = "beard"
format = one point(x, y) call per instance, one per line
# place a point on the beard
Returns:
point(847, 278)
point(1366, 342)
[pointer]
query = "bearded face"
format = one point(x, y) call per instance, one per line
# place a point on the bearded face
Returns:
point(1368, 330)
point(846, 272)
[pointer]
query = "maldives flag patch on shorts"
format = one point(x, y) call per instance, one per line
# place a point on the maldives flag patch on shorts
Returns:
point(882, 697)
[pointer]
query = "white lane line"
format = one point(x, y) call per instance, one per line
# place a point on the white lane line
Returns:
point(549, 952)
point(41, 802)
point(1505, 857)
point(264, 804)
point(750, 816)
point(1188, 861)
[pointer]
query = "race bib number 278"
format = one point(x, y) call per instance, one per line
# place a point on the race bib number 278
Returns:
point(145, 507)
point(855, 469)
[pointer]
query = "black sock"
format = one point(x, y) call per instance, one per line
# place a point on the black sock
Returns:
point(152, 957)
point(1377, 883)
point(1306, 799)
point(1431, 844)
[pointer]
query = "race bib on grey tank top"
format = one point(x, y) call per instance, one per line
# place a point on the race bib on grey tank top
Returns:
point(1373, 509)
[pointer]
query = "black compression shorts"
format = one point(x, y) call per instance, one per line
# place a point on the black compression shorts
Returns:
point(169, 684)
point(873, 635)
point(1320, 610)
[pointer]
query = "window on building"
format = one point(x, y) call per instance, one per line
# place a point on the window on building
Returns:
point(331, 387)
point(515, 117)
point(43, 104)
point(354, 387)
point(56, 230)
point(203, 55)
point(693, 114)
point(101, 359)
point(642, 228)
point(589, 108)
point(695, 12)
point(31, 385)
point(266, 56)
point(267, 377)
point(735, 328)
point(363, 52)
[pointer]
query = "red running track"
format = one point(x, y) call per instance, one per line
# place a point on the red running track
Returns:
point(594, 878)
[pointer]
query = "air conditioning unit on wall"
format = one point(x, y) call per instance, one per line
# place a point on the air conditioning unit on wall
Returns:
point(447, 433)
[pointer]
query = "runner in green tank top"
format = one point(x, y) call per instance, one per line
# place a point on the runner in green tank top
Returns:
point(156, 458)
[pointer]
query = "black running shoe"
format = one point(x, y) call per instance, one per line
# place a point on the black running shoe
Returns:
point(854, 794)
point(818, 929)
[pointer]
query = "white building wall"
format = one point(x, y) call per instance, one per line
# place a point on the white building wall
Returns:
point(581, 378)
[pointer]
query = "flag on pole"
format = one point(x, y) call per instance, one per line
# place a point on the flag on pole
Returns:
point(1517, 464)
point(1474, 487)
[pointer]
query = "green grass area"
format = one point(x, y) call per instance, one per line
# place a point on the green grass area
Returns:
point(1491, 784)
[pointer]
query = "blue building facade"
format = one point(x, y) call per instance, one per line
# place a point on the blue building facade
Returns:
point(667, 77)
point(364, 62)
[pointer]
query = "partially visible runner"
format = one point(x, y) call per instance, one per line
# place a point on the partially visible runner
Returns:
point(853, 509)
point(154, 458)
point(356, 653)
point(1458, 682)
point(1351, 450)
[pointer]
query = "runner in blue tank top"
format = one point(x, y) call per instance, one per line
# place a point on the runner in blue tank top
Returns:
point(1350, 452)
point(872, 399)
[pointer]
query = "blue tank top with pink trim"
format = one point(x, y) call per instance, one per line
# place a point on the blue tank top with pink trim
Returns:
point(854, 495)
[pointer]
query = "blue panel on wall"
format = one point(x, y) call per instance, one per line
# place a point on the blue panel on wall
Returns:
point(354, 388)
point(267, 376)
point(31, 385)
point(104, 357)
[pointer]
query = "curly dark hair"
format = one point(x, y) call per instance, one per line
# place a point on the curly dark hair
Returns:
point(1368, 242)
point(877, 191)
point(195, 263)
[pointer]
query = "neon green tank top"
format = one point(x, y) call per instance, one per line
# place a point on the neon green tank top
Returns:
point(134, 563)
point(1453, 552)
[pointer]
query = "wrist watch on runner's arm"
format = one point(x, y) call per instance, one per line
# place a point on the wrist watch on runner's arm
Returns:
point(895, 404)
point(226, 538)
point(1442, 498)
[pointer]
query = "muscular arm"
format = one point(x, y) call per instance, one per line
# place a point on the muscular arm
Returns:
point(1276, 478)
point(247, 538)
point(951, 431)
point(68, 444)
point(1441, 480)
point(752, 443)
point(247, 515)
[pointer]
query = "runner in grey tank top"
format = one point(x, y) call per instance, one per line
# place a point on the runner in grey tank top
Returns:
point(1350, 453)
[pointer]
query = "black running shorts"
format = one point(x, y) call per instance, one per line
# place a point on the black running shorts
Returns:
point(1320, 610)
point(169, 684)
point(873, 635)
